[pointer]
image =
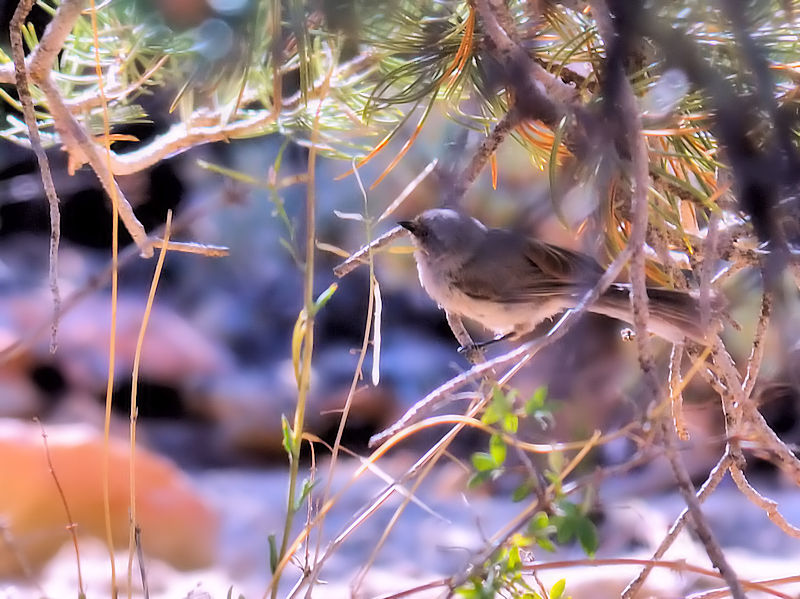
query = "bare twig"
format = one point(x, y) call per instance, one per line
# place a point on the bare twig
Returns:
point(84, 149)
point(675, 565)
point(538, 94)
point(630, 120)
point(757, 352)
point(23, 89)
point(488, 147)
point(408, 189)
point(769, 506)
point(71, 524)
point(140, 559)
point(714, 478)
point(675, 394)
point(700, 524)
point(362, 255)
point(758, 428)
point(95, 282)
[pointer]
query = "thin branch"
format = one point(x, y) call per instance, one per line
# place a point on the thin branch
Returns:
point(630, 121)
point(98, 280)
point(675, 565)
point(23, 89)
point(714, 478)
point(675, 394)
point(140, 559)
point(83, 149)
point(485, 151)
point(769, 506)
point(537, 94)
point(758, 428)
point(757, 352)
point(71, 524)
point(52, 41)
point(362, 255)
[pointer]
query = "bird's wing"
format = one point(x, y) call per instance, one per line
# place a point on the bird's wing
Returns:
point(559, 263)
point(514, 269)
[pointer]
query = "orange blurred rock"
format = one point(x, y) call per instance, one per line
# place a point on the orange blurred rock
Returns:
point(177, 525)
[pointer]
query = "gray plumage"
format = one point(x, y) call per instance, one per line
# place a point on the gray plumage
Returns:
point(510, 283)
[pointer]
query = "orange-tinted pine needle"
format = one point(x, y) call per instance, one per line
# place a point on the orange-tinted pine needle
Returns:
point(406, 146)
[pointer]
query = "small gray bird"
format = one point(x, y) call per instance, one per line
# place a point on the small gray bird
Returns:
point(509, 283)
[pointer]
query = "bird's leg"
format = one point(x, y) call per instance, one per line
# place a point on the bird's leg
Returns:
point(485, 344)
point(468, 348)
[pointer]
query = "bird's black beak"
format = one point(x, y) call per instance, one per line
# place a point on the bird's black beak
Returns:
point(409, 225)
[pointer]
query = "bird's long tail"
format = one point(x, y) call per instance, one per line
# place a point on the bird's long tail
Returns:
point(674, 314)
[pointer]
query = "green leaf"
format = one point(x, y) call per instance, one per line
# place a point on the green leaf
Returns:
point(469, 593)
point(288, 435)
point(557, 590)
point(273, 553)
point(325, 297)
point(522, 492)
point(501, 399)
point(536, 401)
point(497, 449)
point(546, 544)
point(586, 532)
point(539, 521)
point(511, 423)
point(304, 491)
point(478, 479)
point(514, 560)
point(555, 459)
point(483, 462)
point(492, 414)
point(566, 527)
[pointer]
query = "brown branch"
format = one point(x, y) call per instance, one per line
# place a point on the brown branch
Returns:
point(488, 147)
point(676, 565)
point(52, 41)
point(699, 522)
point(759, 429)
point(84, 149)
point(29, 114)
point(675, 394)
point(538, 94)
point(714, 478)
point(630, 121)
point(362, 255)
point(474, 354)
point(769, 506)
point(757, 352)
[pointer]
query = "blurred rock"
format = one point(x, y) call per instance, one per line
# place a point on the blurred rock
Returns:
point(174, 351)
point(19, 398)
point(177, 525)
point(247, 406)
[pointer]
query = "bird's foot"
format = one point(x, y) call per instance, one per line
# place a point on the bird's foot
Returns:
point(470, 349)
